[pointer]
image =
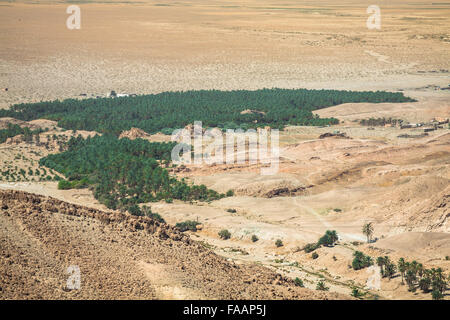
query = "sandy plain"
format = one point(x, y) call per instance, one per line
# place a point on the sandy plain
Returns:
point(154, 46)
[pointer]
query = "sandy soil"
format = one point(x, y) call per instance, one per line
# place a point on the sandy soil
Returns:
point(119, 257)
point(401, 185)
point(431, 104)
point(147, 47)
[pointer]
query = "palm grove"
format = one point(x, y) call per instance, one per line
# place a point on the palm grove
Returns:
point(413, 273)
point(123, 172)
point(224, 109)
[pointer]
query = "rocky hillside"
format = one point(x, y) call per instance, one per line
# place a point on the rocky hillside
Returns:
point(119, 257)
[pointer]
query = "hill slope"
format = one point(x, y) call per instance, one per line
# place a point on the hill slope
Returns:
point(119, 256)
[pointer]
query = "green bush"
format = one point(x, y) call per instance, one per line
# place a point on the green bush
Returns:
point(279, 243)
point(321, 286)
point(356, 293)
point(230, 193)
point(231, 210)
point(254, 238)
point(64, 185)
point(299, 282)
point(437, 295)
point(329, 238)
point(224, 234)
point(361, 261)
point(310, 247)
point(315, 255)
point(187, 225)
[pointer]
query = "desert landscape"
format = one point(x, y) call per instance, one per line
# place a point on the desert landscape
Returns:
point(386, 165)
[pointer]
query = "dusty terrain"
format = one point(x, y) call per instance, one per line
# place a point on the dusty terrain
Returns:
point(119, 256)
point(153, 46)
point(401, 185)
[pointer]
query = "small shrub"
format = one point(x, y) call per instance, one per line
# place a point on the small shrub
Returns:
point(254, 238)
point(356, 293)
point(279, 260)
point(337, 210)
point(315, 255)
point(230, 193)
point(187, 225)
point(361, 261)
point(72, 184)
point(64, 185)
point(299, 282)
point(310, 247)
point(437, 295)
point(321, 286)
point(231, 210)
point(169, 200)
point(279, 243)
point(224, 234)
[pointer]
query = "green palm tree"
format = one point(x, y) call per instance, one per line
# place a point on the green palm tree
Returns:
point(425, 282)
point(367, 230)
point(410, 279)
point(381, 263)
point(402, 268)
point(420, 270)
point(389, 268)
point(438, 280)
